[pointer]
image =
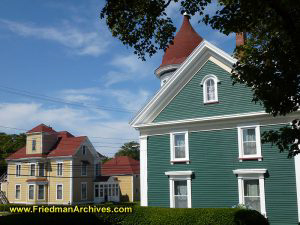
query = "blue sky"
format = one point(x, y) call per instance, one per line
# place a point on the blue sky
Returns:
point(61, 49)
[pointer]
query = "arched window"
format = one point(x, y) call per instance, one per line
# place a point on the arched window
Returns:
point(210, 89)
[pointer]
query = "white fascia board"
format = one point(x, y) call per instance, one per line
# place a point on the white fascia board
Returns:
point(249, 171)
point(202, 119)
point(201, 54)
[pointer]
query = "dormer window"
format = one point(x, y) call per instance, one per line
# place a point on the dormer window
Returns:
point(210, 89)
point(33, 145)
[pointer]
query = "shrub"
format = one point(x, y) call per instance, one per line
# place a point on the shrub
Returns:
point(198, 216)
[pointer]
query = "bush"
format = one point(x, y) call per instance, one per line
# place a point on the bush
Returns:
point(198, 216)
point(151, 215)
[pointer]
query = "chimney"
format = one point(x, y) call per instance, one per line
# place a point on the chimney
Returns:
point(240, 39)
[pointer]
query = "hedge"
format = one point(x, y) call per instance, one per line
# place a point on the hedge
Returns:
point(197, 216)
point(148, 216)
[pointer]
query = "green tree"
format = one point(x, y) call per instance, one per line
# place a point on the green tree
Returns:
point(131, 149)
point(9, 143)
point(268, 63)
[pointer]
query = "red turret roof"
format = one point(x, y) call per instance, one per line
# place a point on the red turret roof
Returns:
point(185, 41)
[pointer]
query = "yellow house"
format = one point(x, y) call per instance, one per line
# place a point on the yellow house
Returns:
point(126, 171)
point(53, 168)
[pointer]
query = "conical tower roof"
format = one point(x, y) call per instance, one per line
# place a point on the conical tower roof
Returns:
point(185, 41)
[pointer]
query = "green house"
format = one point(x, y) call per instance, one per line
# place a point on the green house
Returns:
point(200, 138)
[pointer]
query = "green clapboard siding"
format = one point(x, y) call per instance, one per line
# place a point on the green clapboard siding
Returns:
point(188, 103)
point(213, 156)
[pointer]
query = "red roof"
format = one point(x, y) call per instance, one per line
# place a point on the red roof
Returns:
point(66, 145)
point(42, 128)
point(185, 41)
point(120, 166)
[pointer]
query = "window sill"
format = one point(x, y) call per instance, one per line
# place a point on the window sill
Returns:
point(186, 161)
point(209, 103)
point(258, 158)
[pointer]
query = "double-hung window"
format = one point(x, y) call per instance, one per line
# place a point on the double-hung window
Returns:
point(83, 191)
point(249, 142)
point(179, 147)
point(59, 192)
point(41, 192)
point(32, 169)
point(252, 188)
point(18, 170)
point(33, 145)
point(83, 169)
point(18, 191)
point(59, 169)
point(180, 189)
point(41, 169)
point(31, 191)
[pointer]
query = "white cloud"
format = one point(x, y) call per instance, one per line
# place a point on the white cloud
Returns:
point(76, 121)
point(119, 99)
point(127, 67)
point(81, 42)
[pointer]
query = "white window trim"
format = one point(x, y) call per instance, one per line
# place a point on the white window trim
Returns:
point(18, 164)
point(203, 84)
point(186, 140)
point(34, 169)
point(84, 175)
point(44, 169)
point(16, 191)
point(62, 168)
point(33, 140)
point(81, 190)
point(38, 192)
point(95, 184)
point(248, 174)
point(180, 175)
point(62, 191)
point(33, 192)
point(258, 154)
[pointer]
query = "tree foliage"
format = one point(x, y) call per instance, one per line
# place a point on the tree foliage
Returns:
point(131, 149)
point(9, 143)
point(268, 63)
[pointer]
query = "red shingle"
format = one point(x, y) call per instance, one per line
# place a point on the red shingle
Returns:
point(185, 41)
point(42, 128)
point(120, 166)
point(66, 144)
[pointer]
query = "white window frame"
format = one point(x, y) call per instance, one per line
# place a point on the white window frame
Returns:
point(18, 169)
point(186, 141)
point(62, 169)
point(86, 169)
point(252, 174)
point(204, 85)
point(39, 190)
point(62, 191)
point(97, 169)
point(84, 183)
point(258, 155)
point(33, 191)
point(44, 169)
point(33, 141)
point(180, 175)
point(96, 184)
point(16, 191)
point(34, 169)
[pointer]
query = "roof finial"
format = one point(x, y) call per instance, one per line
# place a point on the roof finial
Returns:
point(187, 15)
